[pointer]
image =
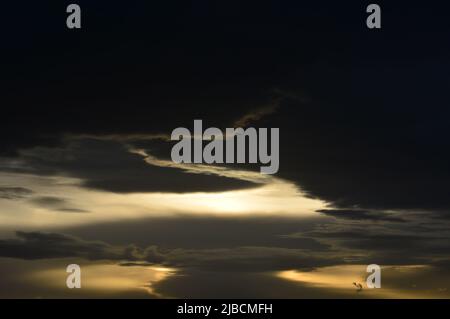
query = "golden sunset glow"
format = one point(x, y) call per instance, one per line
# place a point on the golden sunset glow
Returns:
point(278, 198)
point(341, 278)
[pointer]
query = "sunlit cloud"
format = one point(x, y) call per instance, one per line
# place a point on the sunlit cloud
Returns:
point(106, 279)
point(273, 197)
point(407, 281)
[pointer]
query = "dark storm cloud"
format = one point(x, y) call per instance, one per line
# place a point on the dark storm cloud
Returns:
point(252, 259)
point(407, 243)
point(14, 193)
point(236, 244)
point(241, 245)
point(72, 210)
point(134, 87)
point(195, 242)
point(355, 152)
point(361, 114)
point(56, 203)
point(109, 166)
point(48, 201)
point(356, 214)
point(189, 232)
point(38, 245)
point(440, 215)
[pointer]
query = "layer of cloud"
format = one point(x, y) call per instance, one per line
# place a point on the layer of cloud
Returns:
point(341, 141)
point(38, 245)
point(110, 166)
point(14, 193)
point(357, 214)
point(56, 203)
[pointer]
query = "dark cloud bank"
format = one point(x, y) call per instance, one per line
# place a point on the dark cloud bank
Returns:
point(37, 245)
point(361, 113)
point(14, 193)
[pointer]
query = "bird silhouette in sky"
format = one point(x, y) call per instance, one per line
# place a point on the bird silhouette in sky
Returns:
point(358, 286)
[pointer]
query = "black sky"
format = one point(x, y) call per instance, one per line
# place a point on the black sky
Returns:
point(355, 106)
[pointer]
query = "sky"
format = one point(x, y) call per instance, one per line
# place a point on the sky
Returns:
point(86, 175)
